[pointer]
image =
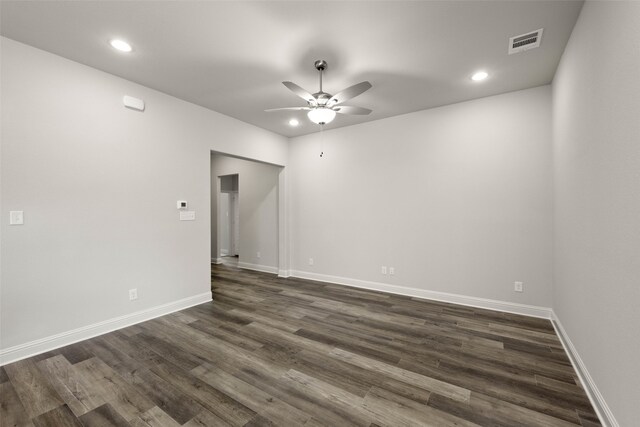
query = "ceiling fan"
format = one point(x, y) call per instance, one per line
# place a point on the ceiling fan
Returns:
point(322, 107)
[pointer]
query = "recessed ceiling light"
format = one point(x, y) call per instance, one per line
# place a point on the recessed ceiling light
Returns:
point(121, 45)
point(479, 76)
point(293, 122)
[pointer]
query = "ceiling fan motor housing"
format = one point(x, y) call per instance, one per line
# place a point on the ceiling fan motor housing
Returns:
point(320, 64)
point(322, 98)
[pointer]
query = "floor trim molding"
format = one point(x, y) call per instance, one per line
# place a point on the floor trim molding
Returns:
point(258, 267)
point(22, 351)
point(588, 384)
point(509, 307)
point(216, 260)
point(284, 273)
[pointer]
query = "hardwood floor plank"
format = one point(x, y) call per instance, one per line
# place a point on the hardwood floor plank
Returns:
point(206, 419)
point(3, 375)
point(333, 372)
point(505, 391)
point(350, 344)
point(287, 339)
point(273, 351)
point(35, 392)
point(60, 416)
point(75, 353)
point(588, 418)
point(270, 319)
point(130, 331)
point(498, 412)
point(169, 352)
point(103, 416)
point(345, 407)
point(71, 386)
point(102, 381)
point(315, 423)
point(441, 387)
point(269, 407)
point(176, 404)
point(156, 417)
point(12, 412)
point(226, 335)
point(133, 347)
point(220, 404)
point(114, 357)
point(390, 409)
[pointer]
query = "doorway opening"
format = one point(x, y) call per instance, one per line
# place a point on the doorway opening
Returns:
point(248, 223)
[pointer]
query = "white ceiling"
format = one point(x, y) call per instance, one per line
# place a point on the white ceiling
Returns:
point(231, 56)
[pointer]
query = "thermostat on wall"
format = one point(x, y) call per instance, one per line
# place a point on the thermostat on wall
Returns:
point(182, 204)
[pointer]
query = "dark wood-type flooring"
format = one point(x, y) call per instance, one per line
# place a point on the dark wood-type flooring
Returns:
point(292, 352)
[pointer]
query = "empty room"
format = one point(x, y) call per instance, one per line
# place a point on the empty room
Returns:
point(320, 213)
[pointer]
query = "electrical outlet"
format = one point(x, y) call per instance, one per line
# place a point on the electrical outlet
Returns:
point(258, 254)
point(392, 271)
point(310, 261)
point(133, 294)
point(518, 287)
point(383, 269)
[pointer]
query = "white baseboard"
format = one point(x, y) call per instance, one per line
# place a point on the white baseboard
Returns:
point(216, 260)
point(258, 267)
point(22, 351)
point(489, 304)
point(284, 274)
point(597, 400)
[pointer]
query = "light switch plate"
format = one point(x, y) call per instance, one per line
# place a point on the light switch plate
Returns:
point(187, 215)
point(16, 217)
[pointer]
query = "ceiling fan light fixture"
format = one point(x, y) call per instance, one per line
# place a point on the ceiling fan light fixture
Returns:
point(321, 115)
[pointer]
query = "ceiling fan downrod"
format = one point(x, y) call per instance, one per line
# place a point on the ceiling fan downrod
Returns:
point(320, 65)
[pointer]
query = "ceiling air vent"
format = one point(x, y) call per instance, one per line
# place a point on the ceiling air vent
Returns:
point(525, 41)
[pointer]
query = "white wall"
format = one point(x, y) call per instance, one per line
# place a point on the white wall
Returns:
point(98, 184)
point(596, 100)
point(223, 224)
point(457, 199)
point(258, 205)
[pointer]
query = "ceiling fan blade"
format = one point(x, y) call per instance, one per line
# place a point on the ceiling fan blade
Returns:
point(300, 92)
point(288, 108)
point(347, 109)
point(348, 93)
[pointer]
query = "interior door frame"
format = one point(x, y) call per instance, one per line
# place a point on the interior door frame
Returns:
point(284, 243)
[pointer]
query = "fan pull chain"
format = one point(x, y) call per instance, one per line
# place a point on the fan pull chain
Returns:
point(321, 140)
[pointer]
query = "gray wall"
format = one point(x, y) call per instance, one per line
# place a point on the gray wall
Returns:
point(457, 199)
point(596, 112)
point(258, 205)
point(98, 184)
